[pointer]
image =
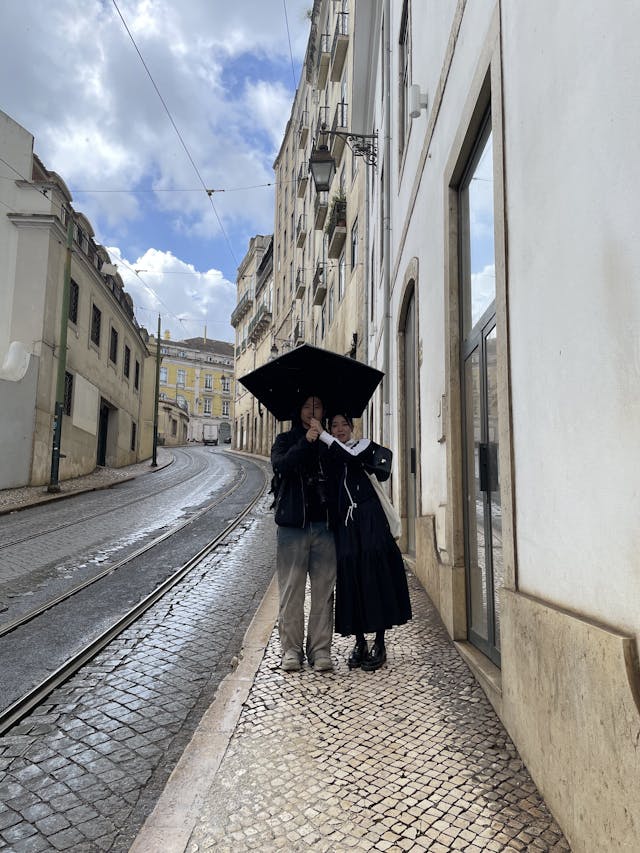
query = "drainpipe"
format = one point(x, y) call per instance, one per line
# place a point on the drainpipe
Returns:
point(386, 234)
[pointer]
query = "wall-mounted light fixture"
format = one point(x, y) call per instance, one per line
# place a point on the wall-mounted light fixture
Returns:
point(323, 166)
point(417, 100)
point(285, 343)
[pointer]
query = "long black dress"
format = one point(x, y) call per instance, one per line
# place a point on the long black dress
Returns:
point(371, 587)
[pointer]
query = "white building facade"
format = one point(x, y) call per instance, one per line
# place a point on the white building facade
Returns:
point(503, 262)
point(104, 420)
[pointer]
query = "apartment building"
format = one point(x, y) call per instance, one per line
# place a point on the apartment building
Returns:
point(501, 227)
point(106, 417)
point(490, 275)
point(198, 375)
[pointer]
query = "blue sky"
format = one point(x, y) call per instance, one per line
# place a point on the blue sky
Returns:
point(71, 76)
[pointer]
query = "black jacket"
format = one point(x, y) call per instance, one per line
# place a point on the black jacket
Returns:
point(295, 460)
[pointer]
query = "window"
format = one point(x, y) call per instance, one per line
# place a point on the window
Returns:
point(134, 430)
point(74, 292)
point(323, 320)
point(208, 381)
point(127, 361)
point(163, 375)
point(113, 346)
point(96, 322)
point(354, 245)
point(136, 380)
point(174, 427)
point(404, 63)
point(341, 276)
point(68, 393)
point(226, 384)
point(330, 301)
point(225, 408)
point(181, 378)
point(207, 405)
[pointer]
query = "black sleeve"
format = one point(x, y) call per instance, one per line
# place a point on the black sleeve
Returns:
point(374, 458)
point(288, 452)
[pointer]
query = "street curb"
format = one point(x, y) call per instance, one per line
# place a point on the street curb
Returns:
point(171, 823)
point(63, 496)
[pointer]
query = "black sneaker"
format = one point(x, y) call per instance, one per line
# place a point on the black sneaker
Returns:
point(374, 660)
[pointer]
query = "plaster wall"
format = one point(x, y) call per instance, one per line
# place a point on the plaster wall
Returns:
point(16, 145)
point(17, 415)
point(574, 311)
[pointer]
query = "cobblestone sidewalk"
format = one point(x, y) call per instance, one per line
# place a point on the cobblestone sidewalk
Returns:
point(411, 757)
point(101, 478)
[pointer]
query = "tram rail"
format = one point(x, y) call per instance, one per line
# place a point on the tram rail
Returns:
point(8, 627)
point(92, 516)
point(11, 715)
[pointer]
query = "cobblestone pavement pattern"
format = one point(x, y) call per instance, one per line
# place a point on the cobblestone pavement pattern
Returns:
point(82, 773)
point(411, 757)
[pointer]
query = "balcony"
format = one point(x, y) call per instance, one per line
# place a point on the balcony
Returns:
point(319, 285)
point(259, 324)
point(300, 285)
point(301, 230)
point(303, 129)
point(298, 333)
point(324, 118)
point(339, 123)
point(320, 207)
point(336, 228)
point(324, 60)
point(303, 178)
point(339, 46)
point(241, 309)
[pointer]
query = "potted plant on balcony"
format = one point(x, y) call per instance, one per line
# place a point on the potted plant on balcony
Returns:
point(337, 212)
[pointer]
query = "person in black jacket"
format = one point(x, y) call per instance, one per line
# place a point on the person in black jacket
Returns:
point(305, 541)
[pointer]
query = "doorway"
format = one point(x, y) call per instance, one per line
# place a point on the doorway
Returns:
point(103, 432)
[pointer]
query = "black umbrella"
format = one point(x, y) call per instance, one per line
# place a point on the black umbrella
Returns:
point(343, 384)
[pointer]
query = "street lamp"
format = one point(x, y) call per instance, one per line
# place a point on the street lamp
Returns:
point(323, 166)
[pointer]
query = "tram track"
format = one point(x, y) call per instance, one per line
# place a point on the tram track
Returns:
point(93, 516)
point(8, 627)
point(21, 706)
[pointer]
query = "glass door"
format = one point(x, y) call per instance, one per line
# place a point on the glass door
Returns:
point(410, 430)
point(482, 505)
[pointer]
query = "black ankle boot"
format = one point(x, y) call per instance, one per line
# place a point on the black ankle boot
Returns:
point(359, 653)
point(374, 660)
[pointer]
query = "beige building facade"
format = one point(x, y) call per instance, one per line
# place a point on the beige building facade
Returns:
point(103, 419)
point(486, 264)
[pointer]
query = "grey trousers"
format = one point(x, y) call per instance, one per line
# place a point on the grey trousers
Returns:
point(301, 551)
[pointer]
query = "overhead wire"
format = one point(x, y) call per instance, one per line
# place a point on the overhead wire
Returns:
point(286, 20)
point(175, 127)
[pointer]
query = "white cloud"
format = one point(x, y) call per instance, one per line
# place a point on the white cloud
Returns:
point(74, 80)
point(187, 299)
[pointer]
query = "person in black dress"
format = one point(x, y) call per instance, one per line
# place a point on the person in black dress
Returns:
point(371, 589)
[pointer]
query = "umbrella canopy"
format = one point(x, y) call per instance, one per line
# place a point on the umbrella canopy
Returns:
point(343, 384)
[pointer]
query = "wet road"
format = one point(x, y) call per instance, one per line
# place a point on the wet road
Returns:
point(82, 772)
point(46, 549)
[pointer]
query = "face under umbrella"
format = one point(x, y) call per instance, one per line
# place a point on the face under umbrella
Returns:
point(343, 384)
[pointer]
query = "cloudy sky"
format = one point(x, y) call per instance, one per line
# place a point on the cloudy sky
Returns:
point(71, 75)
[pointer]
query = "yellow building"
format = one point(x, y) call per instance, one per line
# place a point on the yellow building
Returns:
point(198, 374)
